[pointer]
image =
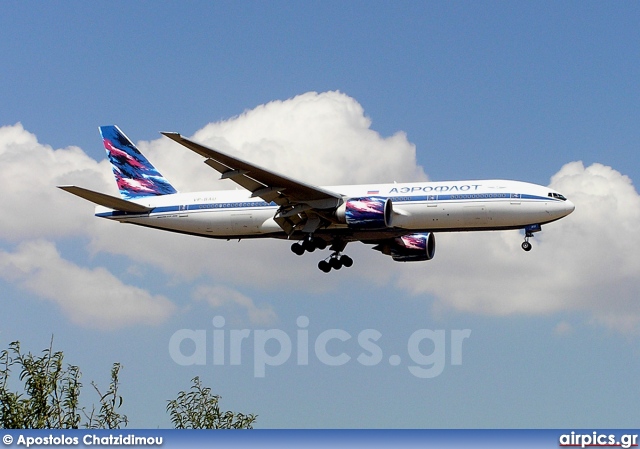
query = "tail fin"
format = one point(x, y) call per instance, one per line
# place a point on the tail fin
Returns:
point(135, 175)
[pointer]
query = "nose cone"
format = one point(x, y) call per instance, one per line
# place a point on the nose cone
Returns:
point(569, 207)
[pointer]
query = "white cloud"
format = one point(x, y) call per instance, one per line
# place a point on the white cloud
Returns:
point(319, 138)
point(29, 171)
point(34, 209)
point(220, 296)
point(91, 298)
point(585, 262)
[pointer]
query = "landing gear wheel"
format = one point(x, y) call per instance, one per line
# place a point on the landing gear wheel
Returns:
point(309, 244)
point(324, 266)
point(346, 261)
point(298, 249)
point(526, 246)
point(336, 260)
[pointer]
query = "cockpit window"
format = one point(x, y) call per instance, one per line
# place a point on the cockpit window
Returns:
point(557, 195)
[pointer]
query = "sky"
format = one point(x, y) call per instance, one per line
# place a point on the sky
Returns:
point(482, 336)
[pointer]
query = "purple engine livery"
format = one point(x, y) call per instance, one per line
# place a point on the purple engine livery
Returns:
point(414, 247)
point(410, 248)
point(135, 175)
point(372, 212)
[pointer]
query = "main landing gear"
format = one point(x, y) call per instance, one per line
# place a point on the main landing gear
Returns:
point(308, 244)
point(335, 261)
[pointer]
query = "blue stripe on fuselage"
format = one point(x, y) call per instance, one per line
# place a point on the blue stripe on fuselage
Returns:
point(248, 205)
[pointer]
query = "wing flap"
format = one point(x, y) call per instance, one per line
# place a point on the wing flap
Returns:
point(105, 200)
point(237, 176)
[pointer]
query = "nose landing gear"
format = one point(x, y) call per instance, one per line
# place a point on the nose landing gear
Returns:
point(528, 233)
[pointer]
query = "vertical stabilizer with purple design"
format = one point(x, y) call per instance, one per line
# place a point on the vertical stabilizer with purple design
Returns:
point(135, 175)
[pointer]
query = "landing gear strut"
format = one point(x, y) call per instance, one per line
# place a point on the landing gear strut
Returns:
point(528, 233)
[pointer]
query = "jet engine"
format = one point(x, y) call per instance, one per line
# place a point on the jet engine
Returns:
point(410, 248)
point(366, 213)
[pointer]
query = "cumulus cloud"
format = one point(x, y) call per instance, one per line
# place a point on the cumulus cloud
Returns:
point(320, 138)
point(28, 173)
point(220, 296)
point(92, 298)
point(35, 210)
point(585, 262)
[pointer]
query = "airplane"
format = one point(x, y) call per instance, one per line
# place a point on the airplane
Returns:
point(400, 219)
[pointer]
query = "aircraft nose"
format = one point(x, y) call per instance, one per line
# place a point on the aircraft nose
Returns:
point(569, 207)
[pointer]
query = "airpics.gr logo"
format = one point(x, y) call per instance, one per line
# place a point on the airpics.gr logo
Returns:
point(426, 348)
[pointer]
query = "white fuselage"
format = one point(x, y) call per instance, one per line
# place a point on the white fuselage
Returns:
point(419, 207)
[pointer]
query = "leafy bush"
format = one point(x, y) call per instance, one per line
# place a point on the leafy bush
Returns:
point(50, 398)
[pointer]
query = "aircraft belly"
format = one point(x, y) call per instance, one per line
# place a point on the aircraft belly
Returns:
point(244, 223)
point(238, 222)
point(169, 222)
point(476, 216)
point(208, 223)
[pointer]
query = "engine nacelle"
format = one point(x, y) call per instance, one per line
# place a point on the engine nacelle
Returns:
point(371, 212)
point(413, 247)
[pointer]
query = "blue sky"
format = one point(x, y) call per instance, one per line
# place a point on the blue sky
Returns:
point(476, 89)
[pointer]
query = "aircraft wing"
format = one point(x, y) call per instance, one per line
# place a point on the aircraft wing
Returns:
point(298, 201)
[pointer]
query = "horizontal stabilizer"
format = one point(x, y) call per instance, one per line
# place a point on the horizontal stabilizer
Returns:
point(109, 201)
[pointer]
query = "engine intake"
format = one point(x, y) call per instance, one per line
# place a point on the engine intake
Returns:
point(371, 212)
